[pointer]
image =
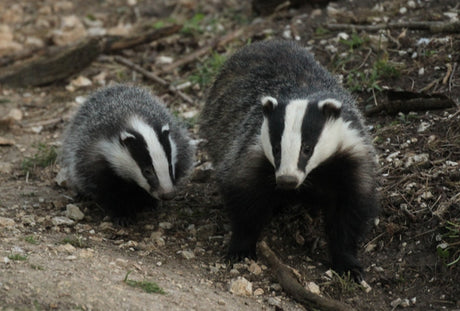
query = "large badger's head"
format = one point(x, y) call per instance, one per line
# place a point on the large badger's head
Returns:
point(144, 155)
point(299, 135)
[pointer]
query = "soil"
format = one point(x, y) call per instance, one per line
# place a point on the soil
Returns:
point(410, 252)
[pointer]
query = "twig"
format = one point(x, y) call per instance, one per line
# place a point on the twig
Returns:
point(434, 27)
point(448, 73)
point(151, 76)
point(452, 76)
point(117, 43)
point(291, 286)
point(204, 50)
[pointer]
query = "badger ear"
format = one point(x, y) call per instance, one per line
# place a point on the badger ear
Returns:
point(165, 129)
point(268, 104)
point(124, 135)
point(330, 107)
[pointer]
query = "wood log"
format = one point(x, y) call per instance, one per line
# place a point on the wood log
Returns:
point(50, 68)
point(57, 65)
point(292, 287)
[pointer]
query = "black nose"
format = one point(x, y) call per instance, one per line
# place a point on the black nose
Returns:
point(167, 195)
point(286, 182)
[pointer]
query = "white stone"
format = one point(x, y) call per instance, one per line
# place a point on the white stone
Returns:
point(313, 288)
point(241, 286)
point(165, 225)
point(405, 303)
point(60, 220)
point(259, 292)
point(396, 302)
point(255, 269)
point(73, 212)
point(188, 254)
point(66, 248)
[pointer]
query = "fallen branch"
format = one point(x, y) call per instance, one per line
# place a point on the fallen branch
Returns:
point(434, 27)
point(54, 65)
point(408, 101)
point(292, 287)
point(151, 76)
point(50, 68)
point(117, 43)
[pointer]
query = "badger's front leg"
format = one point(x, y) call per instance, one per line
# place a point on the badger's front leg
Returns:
point(347, 219)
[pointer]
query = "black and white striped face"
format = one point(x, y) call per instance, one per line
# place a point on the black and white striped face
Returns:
point(145, 155)
point(299, 135)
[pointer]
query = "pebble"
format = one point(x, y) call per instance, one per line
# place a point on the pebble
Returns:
point(234, 272)
point(419, 159)
point(7, 222)
point(274, 301)
point(60, 220)
point(66, 248)
point(313, 288)
point(255, 269)
point(241, 286)
point(188, 254)
point(276, 287)
point(165, 225)
point(258, 292)
point(396, 302)
point(73, 212)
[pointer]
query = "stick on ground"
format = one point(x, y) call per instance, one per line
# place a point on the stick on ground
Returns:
point(293, 288)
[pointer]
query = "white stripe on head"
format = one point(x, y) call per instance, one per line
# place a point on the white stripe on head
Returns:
point(336, 136)
point(121, 161)
point(291, 140)
point(157, 153)
point(265, 141)
point(173, 145)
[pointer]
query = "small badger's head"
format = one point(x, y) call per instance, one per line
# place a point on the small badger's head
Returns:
point(146, 156)
point(297, 136)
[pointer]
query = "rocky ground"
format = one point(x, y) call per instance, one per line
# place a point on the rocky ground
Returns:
point(64, 254)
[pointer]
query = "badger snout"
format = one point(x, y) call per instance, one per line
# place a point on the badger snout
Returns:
point(286, 182)
point(167, 195)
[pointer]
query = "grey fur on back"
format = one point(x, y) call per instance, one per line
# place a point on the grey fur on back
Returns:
point(232, 116)
point(103, 116)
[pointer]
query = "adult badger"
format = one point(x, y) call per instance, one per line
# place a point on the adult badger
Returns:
point(124, 150)
point(281, 131)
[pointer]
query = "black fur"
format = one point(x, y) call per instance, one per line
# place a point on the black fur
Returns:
point(343, 186)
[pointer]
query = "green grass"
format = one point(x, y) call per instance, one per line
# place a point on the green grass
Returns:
point(354, 42)
point(372, 79)
point(17, 257)
point(206, 71)
point(345, 283)
point(194, 25)
point(449, 248)
point(45, 156)
point(37, 267)
point(75, 240)
point(31, 239)
point(146, 286)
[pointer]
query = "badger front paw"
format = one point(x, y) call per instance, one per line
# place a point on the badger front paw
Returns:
point(347, 263)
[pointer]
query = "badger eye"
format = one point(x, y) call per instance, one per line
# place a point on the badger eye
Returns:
point(306, 149)
point(148, 171)
point(276, 150)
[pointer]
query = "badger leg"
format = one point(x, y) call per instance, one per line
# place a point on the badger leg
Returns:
point(347, 220)
point(122, 199)
point(250, 209)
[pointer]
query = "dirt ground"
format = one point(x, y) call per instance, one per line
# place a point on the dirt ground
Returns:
point(51, 262)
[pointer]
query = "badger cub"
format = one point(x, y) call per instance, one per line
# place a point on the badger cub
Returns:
point(282, 131)
point(125, 151)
